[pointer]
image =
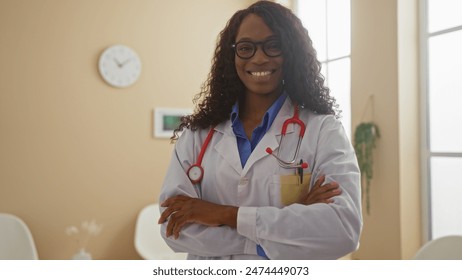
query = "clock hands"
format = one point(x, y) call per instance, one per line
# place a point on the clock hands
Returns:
point(126, 61)
point(121, 64)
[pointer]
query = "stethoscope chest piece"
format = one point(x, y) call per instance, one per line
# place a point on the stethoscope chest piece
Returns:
point(195, 173)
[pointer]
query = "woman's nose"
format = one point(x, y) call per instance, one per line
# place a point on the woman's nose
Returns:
point(260, 56)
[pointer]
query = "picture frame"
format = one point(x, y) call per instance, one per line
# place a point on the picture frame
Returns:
point(166, 120)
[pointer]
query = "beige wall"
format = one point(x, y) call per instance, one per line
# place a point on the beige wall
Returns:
point(73, 148)
point(385, 65)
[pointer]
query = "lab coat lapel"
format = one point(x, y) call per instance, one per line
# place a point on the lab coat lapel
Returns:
point(227, 146)
point(272, 136)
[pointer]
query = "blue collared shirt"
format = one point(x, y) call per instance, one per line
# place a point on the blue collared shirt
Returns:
point(246, 146)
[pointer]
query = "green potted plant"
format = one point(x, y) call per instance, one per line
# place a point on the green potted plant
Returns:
point(366, 133)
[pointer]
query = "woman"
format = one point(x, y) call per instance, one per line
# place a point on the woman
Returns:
point(242, 203)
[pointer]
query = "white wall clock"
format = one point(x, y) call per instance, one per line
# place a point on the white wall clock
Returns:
point(120, 66)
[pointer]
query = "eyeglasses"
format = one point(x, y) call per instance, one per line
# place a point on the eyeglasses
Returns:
point(247, 49)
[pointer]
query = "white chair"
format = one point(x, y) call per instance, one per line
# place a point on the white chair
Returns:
point(443, 248)
point(148, 241)
point(16, 242)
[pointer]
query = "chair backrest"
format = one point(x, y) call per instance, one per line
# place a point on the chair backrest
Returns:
point(443, 248)
point(148, 241)
point(16, 242)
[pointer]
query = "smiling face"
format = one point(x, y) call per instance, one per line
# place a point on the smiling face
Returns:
point(261, 74)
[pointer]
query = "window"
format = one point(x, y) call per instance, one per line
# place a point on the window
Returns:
point(442, 92)
point(328, 24)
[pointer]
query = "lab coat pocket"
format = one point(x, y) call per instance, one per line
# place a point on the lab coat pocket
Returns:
point(292, 189)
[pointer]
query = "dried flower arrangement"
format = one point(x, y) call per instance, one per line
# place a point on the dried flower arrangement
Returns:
point(83, 235)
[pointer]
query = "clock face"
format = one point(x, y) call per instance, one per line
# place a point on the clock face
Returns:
point(119, 66)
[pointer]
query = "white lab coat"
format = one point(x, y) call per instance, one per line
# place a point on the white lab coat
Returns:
point(317, 231)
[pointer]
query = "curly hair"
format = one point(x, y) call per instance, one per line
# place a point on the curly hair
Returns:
point(303, 80)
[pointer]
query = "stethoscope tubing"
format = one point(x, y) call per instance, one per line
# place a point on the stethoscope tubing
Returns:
point(294, 120)
point(196, 172)
point(204, 146)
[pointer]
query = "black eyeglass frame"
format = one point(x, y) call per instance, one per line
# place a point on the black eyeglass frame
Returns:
point(255, 45)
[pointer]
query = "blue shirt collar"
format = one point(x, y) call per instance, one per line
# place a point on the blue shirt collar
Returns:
point(269, 116)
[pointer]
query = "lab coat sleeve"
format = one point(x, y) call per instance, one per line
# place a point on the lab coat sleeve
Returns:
point(317, 231)
point(194, 238)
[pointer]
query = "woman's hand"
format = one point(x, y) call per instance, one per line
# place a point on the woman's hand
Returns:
point(320, 193)
point(182, 210)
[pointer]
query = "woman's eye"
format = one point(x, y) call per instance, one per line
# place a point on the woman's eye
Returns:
point(273, 45)
point(245, 48)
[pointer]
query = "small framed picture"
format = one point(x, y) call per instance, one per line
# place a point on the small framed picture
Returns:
point(166, 120)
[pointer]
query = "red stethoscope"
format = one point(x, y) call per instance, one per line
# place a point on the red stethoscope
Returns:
point(196, 172)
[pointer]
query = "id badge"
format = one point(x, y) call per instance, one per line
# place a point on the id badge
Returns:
point(291, 189)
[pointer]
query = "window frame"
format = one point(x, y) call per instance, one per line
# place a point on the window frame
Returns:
point(425, 148)
point(326, 62)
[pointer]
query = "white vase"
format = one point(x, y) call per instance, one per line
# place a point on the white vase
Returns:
point(82, 255)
